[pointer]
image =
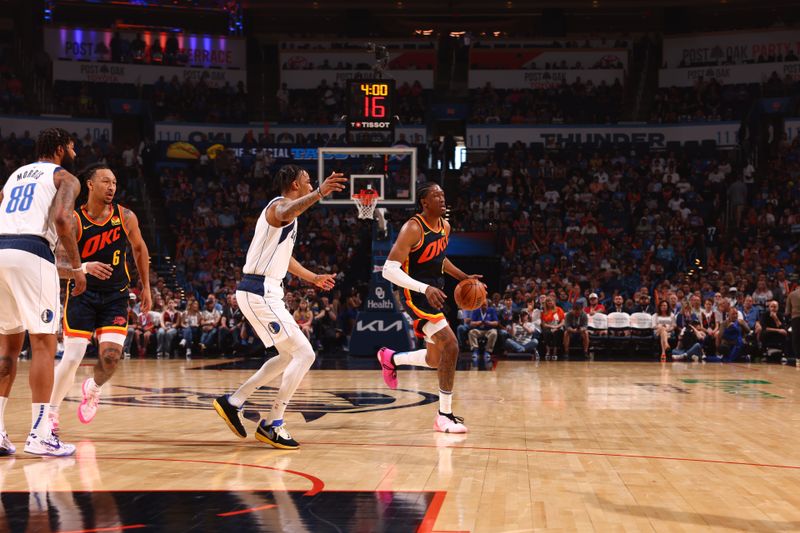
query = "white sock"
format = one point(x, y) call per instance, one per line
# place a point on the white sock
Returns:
point(39, 424)
point(3, 402)
point(276, 413)
point(416, 358)
point(268, 371)
point(445, 402)
point(65, 372)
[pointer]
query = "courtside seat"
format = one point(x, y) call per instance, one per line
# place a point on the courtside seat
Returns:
point(642, 334)
point(598, 332)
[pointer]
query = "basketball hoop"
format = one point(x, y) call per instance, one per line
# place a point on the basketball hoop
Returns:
point(365, 201)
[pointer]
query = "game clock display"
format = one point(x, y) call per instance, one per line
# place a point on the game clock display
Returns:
point(370, 105)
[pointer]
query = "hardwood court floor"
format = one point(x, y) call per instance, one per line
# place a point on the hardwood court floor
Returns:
point(561, 446)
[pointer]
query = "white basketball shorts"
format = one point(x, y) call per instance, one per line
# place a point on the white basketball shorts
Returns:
point(268, 316)
point(29, 293)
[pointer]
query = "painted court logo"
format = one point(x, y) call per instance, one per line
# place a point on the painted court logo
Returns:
point(274, 328)
point(47, 316)
point(311, 403)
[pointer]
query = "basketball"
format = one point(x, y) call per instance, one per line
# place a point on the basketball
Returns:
point(470, 294)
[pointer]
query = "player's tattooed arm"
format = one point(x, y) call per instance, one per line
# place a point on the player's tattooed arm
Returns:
point(287, 210)
point(62, 262)
point(63, 210)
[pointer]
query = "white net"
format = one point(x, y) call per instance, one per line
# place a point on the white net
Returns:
point(365, 202)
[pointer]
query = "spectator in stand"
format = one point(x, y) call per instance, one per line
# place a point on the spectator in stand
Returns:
point(644, 305)
point(304, 318)
point(190, 322)
point(762, 294)
point(576, 327)
point(325, 326)
point(664, 326)
point(710, 326)
point(230, 325)
point(209, 322)
point(690, 339)
point(521, 335)
point(750, 312)
point(483, 325)
point(618, 306)
point(595, 306)
point(147, 328)
point(168, 331)
point(731, 335)
point(552, 327)
point(772, 329)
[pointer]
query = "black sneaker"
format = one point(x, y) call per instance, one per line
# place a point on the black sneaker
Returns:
point(230, 415)
point(276, 436)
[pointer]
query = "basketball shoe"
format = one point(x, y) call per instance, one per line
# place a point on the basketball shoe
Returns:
point(388, 367)
point(52, 446)
point(449, 423)
point(276, 435)
point(230, 414)
point(6, 447)
point(91, 398)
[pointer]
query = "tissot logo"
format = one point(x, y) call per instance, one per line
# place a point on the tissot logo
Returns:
point(311, 403)
point(379, 325)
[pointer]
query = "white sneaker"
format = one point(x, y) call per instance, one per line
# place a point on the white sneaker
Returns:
point(449, 424)
point(6, 446)
point(88, 407)
point(50, 446)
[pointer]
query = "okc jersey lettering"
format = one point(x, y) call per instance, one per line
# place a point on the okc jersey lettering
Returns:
point(433, 250)
point(98, 242)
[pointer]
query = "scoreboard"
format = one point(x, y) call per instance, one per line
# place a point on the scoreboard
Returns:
point(370, 108)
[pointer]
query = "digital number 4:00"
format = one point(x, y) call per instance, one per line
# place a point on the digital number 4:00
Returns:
point(375, 89)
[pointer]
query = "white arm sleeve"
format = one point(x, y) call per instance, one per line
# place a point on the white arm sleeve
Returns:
point(392, 272)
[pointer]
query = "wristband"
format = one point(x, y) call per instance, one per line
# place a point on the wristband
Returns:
point(82, 268)
point(319, 192)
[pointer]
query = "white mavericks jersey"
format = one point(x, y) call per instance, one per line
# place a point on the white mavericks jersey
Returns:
point(271, 248)
point(27, 198)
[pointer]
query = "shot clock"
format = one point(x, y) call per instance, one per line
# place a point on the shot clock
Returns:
point(370, 108)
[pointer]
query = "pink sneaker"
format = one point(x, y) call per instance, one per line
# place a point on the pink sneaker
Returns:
point(389, 370)
point(54, 425)
point(88, 407)
point(449, 424)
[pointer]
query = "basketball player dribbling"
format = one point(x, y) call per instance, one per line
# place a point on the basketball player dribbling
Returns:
point(36, 207)
point(104, 230)
point(418, 262)
point(260, 297)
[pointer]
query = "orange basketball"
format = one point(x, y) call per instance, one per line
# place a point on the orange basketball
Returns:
point(470, 294)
